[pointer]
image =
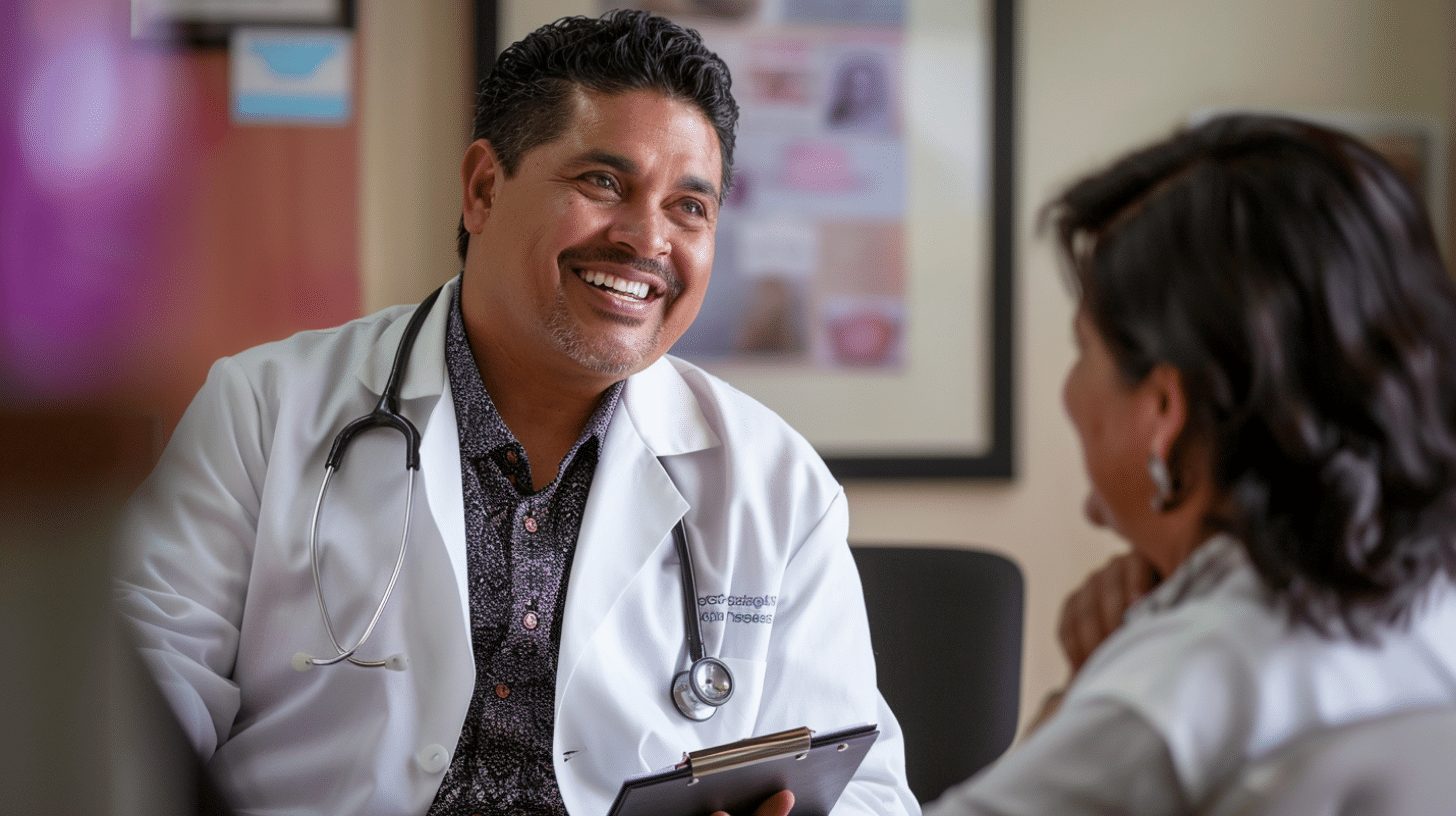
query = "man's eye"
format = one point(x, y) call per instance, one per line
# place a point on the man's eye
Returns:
point(602, 180)
point(695, 207)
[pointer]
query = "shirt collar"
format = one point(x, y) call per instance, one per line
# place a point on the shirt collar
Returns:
point(1200, 574)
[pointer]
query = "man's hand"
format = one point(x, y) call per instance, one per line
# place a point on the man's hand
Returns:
point(777, 805)
point(1094, 610)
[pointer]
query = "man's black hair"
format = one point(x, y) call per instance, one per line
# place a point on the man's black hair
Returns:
point(525, 101)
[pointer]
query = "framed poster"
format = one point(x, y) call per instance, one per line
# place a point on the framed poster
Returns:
point(862, 286)
point(207, 23)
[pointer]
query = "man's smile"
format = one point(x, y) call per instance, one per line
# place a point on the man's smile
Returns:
point(634, 290)
point(630, 280)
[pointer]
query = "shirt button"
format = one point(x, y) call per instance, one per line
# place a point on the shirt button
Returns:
point(433, 758)
point(511, 457)
point(530, 524)
point(530, 620)
point(502, 691)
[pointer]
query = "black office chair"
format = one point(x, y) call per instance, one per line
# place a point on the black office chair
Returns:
point(1401, 764)
point(946, 626)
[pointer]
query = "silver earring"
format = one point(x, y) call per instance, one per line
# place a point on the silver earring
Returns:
point(1162, 482)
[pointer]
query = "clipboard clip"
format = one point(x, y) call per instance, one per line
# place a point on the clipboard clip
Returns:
point(749, 751)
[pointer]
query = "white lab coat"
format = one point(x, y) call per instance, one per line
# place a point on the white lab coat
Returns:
point(216, 583)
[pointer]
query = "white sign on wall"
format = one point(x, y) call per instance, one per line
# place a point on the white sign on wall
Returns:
point(293, 76)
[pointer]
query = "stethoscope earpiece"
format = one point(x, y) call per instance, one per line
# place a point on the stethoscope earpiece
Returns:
point(385, 415)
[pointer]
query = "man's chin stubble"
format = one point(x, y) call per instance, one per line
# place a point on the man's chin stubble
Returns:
point(614, 361)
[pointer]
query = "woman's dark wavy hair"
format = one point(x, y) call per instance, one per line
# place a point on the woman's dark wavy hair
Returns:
point(524, 101)
point(1293, 279)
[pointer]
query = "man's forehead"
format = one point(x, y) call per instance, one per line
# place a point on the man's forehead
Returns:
point(590, 150)
point(582, 99)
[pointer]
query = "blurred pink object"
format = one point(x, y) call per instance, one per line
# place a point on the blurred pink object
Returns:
point(822, 167)
point(865, 338)
point(84, 138)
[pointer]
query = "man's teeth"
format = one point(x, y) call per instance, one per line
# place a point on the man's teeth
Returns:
point(636, 289)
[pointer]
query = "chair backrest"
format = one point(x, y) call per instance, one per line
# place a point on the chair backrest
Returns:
point(1401, 764)
point(946, 625)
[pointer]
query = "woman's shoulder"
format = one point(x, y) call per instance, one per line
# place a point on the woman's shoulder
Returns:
point(1214, 664)
point(1212, 618)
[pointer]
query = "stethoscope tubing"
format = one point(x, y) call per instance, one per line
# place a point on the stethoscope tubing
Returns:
point(385, 415)
point(690, 594)
point(348, 654)
point(708, 682)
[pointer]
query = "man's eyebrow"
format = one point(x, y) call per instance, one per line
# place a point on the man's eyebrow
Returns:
point(700, 185)
point(620, 163)
point(613, 160)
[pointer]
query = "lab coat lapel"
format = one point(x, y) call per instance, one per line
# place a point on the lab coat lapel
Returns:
point(633, 503)
point(426, 379)
point(440, 467)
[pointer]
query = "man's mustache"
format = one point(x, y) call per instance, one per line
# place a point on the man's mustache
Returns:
point(617, 255)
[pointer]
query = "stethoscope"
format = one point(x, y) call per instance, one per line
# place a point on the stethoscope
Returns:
point(697, 691)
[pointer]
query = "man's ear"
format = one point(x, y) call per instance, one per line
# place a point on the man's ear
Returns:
point(478, 172)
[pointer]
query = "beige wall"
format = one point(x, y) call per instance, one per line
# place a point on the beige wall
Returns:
point(1095, 78)
point(416, 73)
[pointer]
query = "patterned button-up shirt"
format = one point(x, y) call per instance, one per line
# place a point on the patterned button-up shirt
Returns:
point(519, 545)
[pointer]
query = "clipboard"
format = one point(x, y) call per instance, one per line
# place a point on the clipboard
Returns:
point(737, 777)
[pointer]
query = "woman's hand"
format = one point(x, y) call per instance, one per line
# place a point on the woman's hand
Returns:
point(1094, 610)
point(777, 805)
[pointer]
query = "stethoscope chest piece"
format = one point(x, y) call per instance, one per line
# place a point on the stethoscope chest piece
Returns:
point(699, 691)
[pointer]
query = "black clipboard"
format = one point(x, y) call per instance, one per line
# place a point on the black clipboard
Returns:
point(737, 777)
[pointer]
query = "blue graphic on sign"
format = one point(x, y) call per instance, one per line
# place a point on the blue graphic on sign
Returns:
point(295, 59)
point(285, 106)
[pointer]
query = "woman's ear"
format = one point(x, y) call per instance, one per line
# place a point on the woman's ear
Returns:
point(1167, 408)
point(1184, 499)
point(478, 172)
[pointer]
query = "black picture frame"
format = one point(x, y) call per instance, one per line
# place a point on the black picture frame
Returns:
point(998, 461)
point(213, 31)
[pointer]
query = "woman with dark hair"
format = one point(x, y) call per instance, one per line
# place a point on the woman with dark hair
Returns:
point(1266, 400)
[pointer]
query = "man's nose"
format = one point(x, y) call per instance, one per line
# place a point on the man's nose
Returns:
point(645, 230)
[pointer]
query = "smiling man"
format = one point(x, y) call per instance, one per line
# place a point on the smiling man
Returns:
point(588, 259)
point(500, 615)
